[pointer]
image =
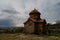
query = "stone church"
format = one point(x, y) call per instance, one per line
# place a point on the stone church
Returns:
point(35, 24)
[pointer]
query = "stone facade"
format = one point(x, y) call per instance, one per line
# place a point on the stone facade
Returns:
point(35, 24)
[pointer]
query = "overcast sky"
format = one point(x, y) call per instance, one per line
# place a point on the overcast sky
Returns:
point(16, 12)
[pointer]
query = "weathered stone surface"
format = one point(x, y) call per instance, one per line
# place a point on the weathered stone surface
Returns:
point(35, 24)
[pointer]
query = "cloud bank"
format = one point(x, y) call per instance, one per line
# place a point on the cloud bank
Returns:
point(18, 10)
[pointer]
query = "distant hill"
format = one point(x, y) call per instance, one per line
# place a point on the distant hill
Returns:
point(6, 27)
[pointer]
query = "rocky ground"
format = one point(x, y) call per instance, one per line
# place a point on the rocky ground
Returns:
point(19, 36)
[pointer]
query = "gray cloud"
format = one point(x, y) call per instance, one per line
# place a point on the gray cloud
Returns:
point(18, 10)
point(6, 23)
point(10, 11)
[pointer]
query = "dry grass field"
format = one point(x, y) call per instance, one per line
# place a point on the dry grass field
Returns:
point(19, 36)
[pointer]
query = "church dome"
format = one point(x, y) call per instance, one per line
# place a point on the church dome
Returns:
point(34, 12)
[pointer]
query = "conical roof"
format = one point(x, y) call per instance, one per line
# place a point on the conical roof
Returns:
point(34, 12)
